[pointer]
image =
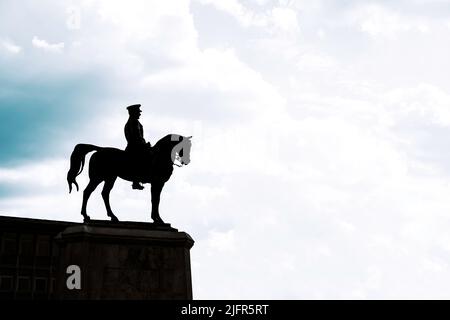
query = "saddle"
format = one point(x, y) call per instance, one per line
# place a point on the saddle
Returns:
point(140, 158)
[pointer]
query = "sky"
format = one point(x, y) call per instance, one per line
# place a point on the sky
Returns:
point(320, 161)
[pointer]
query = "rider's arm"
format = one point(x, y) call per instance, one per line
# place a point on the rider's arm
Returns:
point(133, 133)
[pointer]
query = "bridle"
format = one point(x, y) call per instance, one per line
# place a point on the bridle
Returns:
point(178, 158)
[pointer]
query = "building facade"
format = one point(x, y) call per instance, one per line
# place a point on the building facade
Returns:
point(29, 257)
point(126, 260)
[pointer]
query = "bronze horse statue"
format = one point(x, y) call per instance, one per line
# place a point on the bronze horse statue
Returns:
point(155, 166)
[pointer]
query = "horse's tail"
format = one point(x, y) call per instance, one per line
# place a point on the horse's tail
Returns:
point(77, 162)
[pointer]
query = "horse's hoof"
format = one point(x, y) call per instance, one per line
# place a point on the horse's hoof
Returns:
point(114, 219)
point(86, 219)
point(158, 221)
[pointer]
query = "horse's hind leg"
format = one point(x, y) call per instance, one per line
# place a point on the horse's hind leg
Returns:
point(109, 184)
point(86, 194)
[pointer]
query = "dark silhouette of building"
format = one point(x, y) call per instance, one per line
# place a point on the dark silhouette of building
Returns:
point(121, 260)
point(29, 257)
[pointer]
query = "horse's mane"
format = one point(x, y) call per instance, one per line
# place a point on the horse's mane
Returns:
point(167, 140)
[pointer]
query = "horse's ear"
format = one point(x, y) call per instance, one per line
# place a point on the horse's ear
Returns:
point(189, 138)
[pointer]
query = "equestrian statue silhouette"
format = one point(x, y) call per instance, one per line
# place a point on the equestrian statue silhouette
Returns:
point(143, 164)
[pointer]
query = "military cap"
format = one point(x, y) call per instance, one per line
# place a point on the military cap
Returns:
point(134, 107)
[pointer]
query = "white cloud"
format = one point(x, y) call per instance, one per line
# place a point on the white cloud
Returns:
point(315, 61)
point(44, 45)
point(233, 7)
point(379, 21)
point(43, 174)
point(321, 33)
point(423, 103)
point(222, 241)
point(285, 19)
point(10, 47)
point(221, 72)
point(277, 19)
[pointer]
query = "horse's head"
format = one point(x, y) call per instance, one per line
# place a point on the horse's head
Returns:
point(185, 151)
point(182, 149)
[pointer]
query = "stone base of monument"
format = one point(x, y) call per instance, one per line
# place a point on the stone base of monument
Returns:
point(125, 260)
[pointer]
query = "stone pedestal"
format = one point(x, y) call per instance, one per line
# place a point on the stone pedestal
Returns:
point(125, 261)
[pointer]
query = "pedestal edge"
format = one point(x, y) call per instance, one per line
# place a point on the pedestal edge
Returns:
point(113, 234)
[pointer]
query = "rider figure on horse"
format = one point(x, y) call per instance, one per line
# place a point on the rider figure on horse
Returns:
point(134, 133)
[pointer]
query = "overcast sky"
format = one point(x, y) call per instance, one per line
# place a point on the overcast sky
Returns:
point(320, 160)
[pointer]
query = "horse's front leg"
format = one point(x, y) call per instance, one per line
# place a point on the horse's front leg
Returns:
point(156, 195)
